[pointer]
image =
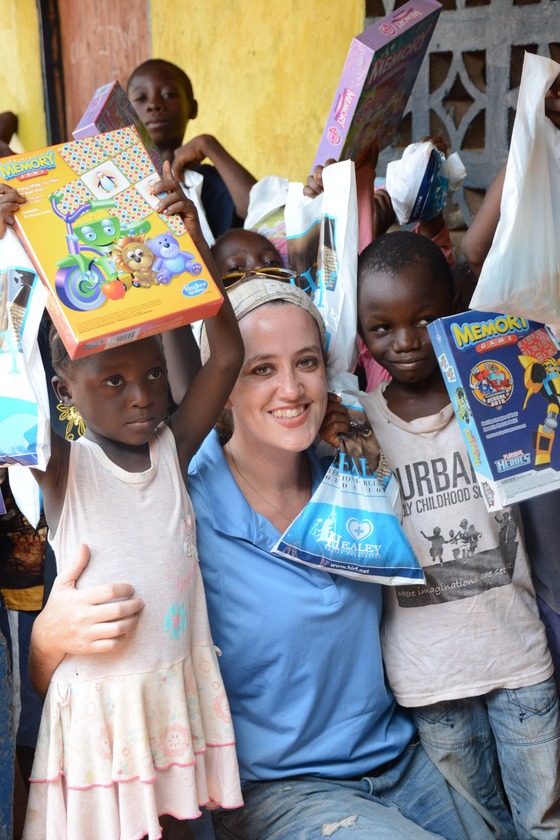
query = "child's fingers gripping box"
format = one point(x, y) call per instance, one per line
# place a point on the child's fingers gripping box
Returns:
point(117, 270)
point(376, 81)
point(502, 373)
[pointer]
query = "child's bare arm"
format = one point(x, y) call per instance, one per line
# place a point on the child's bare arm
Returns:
point(202, 404)
point(236, 178)
point(92, 620)
point(8, 125)
point(54, 479)
point(10, 200)
point(183, 360)
point(478, 238)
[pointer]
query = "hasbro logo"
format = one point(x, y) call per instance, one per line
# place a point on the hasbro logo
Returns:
point(195, 288)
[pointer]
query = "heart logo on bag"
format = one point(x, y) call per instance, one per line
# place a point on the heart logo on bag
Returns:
point(359, 529)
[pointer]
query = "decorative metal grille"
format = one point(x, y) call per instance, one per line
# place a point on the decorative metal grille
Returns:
point(467, 87)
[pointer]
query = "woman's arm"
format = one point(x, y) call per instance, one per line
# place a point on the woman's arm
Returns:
point(79, 621)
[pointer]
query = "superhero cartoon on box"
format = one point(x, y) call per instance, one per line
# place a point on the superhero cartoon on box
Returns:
point(542, 376)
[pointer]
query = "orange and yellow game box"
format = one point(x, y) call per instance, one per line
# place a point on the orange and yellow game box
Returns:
point(116, 270)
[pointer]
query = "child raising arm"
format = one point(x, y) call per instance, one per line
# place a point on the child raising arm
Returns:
point(140, 728)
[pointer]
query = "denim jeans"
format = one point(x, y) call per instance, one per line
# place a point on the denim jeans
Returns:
point(7, 739)
point(510, 736)
point(551, 621)
point(408, 800)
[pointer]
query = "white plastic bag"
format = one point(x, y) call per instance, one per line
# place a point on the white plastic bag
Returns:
point(521, 274)
point(266, 211)
point(421, 180)
point(24, 406)
point(24, 403)
point(192, 187)
point(322, 238)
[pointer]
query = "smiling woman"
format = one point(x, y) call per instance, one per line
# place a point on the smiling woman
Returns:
point(319, 735)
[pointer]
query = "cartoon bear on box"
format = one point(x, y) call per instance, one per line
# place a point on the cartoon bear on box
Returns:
point(170, 259)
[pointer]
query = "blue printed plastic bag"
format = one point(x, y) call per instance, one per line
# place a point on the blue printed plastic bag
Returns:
point(351, 525)
point(24, 415)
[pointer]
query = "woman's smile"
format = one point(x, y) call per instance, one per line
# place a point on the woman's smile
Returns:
point(279, 400)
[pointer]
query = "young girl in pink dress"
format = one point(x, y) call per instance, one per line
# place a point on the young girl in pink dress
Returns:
point(141, 728)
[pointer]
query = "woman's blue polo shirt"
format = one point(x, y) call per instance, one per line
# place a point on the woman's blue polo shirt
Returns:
point(301, 655)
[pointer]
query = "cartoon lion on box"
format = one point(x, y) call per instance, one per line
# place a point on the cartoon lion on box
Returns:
point(132, 256)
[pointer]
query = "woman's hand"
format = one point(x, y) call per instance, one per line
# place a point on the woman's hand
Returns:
point(10, 201)
point(80, 621)
point(335, 422)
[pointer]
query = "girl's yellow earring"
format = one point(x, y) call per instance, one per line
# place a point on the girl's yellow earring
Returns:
point(70, 415)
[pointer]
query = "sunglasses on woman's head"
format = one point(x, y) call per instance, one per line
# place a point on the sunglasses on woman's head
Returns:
point(275, 272)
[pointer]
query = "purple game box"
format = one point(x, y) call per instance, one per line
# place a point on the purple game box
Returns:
point(378, 76)
point(110, 109)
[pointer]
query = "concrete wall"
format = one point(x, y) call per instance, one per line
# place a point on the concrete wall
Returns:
point(264, 73)
point(21, 86)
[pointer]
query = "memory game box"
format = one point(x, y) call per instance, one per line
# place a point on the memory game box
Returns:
point(378, 76)
point(110, 109)
point(502, 373)
point(116, 270)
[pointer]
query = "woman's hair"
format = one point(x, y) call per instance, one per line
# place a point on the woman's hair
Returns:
point(154, 63)
point(246, 297)
point(392, 252)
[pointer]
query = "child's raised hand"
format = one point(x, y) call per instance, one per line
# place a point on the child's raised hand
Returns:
point(438, 142)
point(314, 186)
point(335, 422)
point(552, 103)
point(175, 201)
point(10, 201)
point(193, 153)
